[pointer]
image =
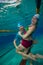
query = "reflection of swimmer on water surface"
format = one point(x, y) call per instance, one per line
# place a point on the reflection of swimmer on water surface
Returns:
point(14, 4)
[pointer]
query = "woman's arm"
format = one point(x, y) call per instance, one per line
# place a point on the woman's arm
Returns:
point(22, 53)
point(31, 29)
point(15, 44)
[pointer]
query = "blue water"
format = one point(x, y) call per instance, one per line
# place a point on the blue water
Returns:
point(9, 18)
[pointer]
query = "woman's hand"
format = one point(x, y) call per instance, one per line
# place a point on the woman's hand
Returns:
point(19, 33)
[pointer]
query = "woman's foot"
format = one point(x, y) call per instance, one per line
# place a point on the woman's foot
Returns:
point(39, 56)
point(32, 57)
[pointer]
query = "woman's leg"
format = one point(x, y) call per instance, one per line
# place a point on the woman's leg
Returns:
point(39, 56)
point(23, 61)
point(30, 55)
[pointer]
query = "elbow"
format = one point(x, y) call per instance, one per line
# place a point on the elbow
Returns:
point(14, 41)
point(24, 37)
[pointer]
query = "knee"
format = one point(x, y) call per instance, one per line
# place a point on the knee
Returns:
point(17, 50)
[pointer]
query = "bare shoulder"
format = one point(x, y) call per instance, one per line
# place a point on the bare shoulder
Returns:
point(32, 27)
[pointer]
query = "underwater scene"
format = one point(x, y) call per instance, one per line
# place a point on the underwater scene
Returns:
point(17, 15)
